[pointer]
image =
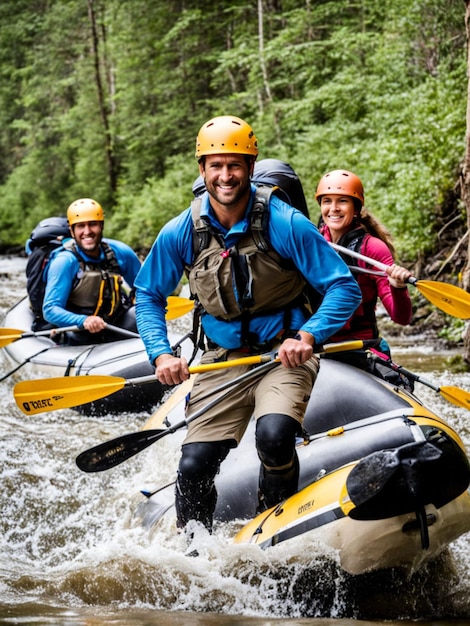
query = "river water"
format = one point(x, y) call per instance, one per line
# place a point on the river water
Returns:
point(72, 552)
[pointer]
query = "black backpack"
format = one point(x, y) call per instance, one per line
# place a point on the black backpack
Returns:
point(44, 239)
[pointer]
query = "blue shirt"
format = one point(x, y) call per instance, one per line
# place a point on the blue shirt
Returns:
point(291, 234)
point(60, 275)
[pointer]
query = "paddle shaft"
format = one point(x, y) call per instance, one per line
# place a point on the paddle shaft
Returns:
point(448, 298)
point(176, 307)
point(454, 395)
point(195, 369)
point(106, 455)
point(122, 331)
point(149, 494)
point(14, 335)
point(366, 259)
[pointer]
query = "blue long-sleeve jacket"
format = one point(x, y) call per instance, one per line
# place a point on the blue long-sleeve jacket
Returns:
point(291, 234)
point(60, 274)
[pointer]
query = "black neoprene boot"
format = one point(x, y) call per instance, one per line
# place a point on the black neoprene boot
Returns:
point(277, 485)
point(195, 493)
point(194, 502)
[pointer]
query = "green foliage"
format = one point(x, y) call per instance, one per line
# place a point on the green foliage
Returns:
point(377, 88)
point(454, 331)
point(141, 215)
point(457, 365)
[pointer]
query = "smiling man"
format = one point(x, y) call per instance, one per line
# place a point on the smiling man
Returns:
point(85, 278)
point(252, 298)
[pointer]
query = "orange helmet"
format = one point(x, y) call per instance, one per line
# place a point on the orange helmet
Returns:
point(226, 134)
point(84, 210)
point(340, 182)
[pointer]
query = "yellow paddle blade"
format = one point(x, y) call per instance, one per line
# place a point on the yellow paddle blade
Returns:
point(179, 394)
point(8, 335)
point(176, 307)
point(456, 396)
point(50, 394)
point(449, 298)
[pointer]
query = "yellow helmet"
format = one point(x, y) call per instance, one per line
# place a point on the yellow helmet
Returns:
point(226, 134)
point(340, 182)
point(84, 210)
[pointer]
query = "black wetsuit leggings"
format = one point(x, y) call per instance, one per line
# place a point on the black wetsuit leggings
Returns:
point(196, 496)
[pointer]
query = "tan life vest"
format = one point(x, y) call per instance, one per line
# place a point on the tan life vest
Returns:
point(248, 279)
point(97, 290)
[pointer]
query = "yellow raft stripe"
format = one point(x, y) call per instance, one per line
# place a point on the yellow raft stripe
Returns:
point(314, 506)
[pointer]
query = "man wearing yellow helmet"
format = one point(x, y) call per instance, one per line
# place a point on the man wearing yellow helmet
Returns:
point(84, 278)
point(252, 301)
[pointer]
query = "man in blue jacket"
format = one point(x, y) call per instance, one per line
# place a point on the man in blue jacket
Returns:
point(84, 278)
point(252, 297)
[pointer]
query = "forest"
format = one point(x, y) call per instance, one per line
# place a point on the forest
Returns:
point(104, 99)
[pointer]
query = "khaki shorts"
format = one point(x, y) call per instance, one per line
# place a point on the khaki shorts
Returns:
point(280, 390)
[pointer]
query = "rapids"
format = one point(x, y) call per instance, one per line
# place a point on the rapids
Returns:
point(72, 551)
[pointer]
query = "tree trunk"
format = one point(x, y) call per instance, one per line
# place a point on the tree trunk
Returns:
point(465, 178)
point(264, 72)
point(112, 174)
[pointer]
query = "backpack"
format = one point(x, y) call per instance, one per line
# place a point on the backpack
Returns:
point(284, 181)
point(44, 239)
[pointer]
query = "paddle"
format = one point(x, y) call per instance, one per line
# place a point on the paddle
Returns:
point(51, 394)
point(176, 307)
point(8, 335)
point(112, 453)
point(116, 329)
point(449, 298)
point(452, 394)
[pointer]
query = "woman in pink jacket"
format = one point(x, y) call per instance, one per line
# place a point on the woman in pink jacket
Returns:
point(345, 221)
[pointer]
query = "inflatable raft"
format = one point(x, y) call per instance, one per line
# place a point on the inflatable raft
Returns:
point(39, 356)
point(384, 481)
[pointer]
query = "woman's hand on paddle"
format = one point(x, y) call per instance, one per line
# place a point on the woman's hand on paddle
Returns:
point(294, 352)
point(397, 276)
point(171, 370)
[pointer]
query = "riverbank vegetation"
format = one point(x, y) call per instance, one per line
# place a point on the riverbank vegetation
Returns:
point(104, 98)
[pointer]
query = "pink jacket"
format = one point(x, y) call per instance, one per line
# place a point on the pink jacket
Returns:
point(397, 302)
